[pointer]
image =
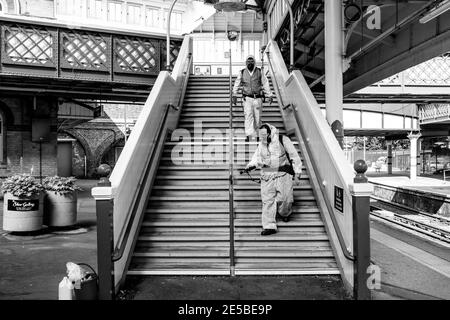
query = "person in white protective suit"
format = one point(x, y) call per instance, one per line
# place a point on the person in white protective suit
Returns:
point(255, 87)
point(281, 167)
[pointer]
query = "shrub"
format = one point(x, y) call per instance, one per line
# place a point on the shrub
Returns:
point(22, 186)
point(60, 185)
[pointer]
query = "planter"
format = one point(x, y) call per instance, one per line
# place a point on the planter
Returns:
point(22, 214)
point(60, 210)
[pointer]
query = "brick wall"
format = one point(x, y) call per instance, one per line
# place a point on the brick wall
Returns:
point(98, 136)
point(22, 154)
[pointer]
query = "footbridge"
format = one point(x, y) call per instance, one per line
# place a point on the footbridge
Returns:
point(55, 59)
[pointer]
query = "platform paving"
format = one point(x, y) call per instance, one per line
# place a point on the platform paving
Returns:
point(426, 184)
point(32, 267)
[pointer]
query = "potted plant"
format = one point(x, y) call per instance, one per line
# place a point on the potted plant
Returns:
point(23, 203)
point(60, 201)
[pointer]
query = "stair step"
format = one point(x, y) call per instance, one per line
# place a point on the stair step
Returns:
point(309, 245)
point(183, 237)
point(185, 229)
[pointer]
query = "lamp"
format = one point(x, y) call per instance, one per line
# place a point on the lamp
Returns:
point(441, 8)
point(230, 5)
point(232, 35)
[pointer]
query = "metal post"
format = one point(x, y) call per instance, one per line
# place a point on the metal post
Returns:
point(105, 237)
point(168, 68)
point(413, 155)
point(361, 191)
point(231, 159)
point(364, 148)
point(333, 68)
point(40, 159)
point(389, 157)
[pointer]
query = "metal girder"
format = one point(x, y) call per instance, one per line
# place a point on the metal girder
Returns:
point(370, 34)
point(415, 43)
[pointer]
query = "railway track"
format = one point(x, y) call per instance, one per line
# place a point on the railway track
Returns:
point(435, 226)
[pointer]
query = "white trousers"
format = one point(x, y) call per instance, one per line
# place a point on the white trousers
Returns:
point(277, 194)
point(252, 115)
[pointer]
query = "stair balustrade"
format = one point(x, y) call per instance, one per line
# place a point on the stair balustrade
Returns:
point(120, 206)
point(343, 204)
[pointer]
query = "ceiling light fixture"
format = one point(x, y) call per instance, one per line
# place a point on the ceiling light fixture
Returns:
point(230, 5)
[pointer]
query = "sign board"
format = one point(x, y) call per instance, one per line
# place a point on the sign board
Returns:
point(339, 199)
point(23, 205)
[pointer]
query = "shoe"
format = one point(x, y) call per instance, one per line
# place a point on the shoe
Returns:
point(285, 219)
point(267, 232)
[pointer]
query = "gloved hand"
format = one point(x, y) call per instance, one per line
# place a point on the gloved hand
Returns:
point(234, 100)
point(250, 168)
point(270, 100)
point(297, 179)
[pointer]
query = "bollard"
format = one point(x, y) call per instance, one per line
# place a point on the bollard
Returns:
point(105, 240)
point(361, 191)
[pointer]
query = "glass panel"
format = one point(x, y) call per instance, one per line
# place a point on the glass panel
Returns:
point(95, 9)
point(152, 17)
point(371, 120)
point(115, 11)
point(393, 122)
point(352, 119)
point(70, 7)
point(134, 14)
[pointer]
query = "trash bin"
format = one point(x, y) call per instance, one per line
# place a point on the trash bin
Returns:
point(89, 285)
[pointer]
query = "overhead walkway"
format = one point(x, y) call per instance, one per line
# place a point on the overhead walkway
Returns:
point(79, 62)
point(191, 212)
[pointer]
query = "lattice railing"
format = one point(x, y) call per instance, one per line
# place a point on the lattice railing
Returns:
point(174, 50)
point(84, 51)
point(394, 80)
point(81, 54)
point(137, 55)
point(434, 72)
point(28, 45)
point(434, 112)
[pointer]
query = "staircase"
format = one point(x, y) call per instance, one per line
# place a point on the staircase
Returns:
point(186, 228)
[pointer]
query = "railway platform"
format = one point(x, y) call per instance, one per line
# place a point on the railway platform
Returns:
point(411, 268)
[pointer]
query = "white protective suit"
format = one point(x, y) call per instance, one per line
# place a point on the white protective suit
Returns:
point(277, 191)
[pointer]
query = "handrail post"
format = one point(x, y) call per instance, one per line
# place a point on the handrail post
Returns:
point(105, 237)
point(361, 191)
point(230, 168)
point(168, 68)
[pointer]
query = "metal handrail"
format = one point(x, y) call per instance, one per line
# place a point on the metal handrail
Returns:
point(344, 249)
point(231, 159)
point(120, 248)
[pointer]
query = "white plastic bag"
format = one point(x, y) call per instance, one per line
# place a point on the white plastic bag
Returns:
point(66, 290)
point(75, 273)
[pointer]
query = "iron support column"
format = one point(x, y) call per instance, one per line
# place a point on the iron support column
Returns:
point(413, 137)
point(389, 157)
point(333, 68)
point(361, 191)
